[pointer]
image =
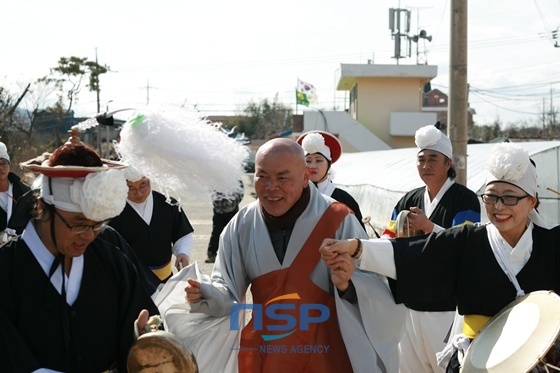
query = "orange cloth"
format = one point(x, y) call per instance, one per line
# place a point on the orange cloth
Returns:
point(303, 350)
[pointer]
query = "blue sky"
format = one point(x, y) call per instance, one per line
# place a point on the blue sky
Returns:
point(220, 54)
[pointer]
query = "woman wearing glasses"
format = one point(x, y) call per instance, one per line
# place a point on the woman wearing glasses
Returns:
point(484, 266)
point(68, 296)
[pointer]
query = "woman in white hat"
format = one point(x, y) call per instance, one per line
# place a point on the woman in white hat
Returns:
point(68, 295)
point(11, 188)
point(484, 266)
point(322, 149)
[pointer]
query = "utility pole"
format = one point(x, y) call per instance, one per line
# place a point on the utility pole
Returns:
point(148, 86)
point(458, 98)
point(148, 91)
point(552, 120)
point(98, 107)
point(544, 117)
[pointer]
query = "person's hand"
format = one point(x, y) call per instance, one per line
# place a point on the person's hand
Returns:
point(141, 322)
point(342, 268)
point(146, 323)
point(419, 221)
point(330, 248)
point(182, 261)
point(193, 291)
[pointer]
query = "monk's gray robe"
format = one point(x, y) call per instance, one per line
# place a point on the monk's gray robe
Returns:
point(371, 328)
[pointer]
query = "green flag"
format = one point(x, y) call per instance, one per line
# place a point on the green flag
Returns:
point(301, 98)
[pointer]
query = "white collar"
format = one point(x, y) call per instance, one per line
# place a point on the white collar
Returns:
point(46, 259)
point(8, 201)
point(517, 256)
point(144, 209)
point(326, 187)
point(430, 206)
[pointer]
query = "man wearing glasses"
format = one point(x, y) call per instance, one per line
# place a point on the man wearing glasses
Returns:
point(69, 296)
point(154, 227)
point(11, 189)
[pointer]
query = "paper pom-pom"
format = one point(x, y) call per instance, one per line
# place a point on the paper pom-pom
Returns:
point(313, 143)
point(508, 162)
point(103, 194)
point(427, 136)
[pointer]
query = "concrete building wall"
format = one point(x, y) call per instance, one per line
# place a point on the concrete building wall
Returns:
point(377, 98)
point(378, 92)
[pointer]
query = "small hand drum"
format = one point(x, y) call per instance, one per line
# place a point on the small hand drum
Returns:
point(160, 352)
point(522, 337)
point(402, 226)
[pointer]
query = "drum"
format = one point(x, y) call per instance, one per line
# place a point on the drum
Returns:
point(402, 228)
point(522, 337)
point(160, 352)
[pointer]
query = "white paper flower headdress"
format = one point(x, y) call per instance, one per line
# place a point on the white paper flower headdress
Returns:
point(508, 162)
point(431, 138)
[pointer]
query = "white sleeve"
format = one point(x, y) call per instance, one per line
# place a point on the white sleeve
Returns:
point(437, 228)
point(377, 256)
point(183, 245)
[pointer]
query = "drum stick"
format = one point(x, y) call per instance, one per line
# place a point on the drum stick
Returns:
point(367, 220)
point(552, 190)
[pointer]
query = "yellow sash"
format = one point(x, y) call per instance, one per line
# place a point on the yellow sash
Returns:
point(163, 272)
point(473, 324)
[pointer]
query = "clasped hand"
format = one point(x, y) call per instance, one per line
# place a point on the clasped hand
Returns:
point(336, 255)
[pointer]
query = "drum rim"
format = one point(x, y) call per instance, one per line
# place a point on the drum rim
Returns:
point(531, 362)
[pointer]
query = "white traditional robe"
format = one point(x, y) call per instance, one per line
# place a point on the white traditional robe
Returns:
point(371, 328)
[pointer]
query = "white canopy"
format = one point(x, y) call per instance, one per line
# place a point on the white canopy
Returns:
point(378, 179)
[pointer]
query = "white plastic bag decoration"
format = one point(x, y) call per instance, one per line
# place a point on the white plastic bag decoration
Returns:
point(182, 153)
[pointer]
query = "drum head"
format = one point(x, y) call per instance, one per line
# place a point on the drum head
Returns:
point(160, 352)
point(517, 336)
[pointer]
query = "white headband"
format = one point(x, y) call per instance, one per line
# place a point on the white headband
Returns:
point(430, 138)
point(99, 196)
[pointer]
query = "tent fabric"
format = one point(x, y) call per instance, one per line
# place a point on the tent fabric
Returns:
point(378, 179)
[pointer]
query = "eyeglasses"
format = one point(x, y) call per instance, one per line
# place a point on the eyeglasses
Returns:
point(4, 164)
point(78, 229)
point(492, 199)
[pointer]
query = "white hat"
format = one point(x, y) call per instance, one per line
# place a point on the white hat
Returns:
point(99, 195)
point(132, 174)
point(99, 192)
point(510, 163)
point(321, 142)
point(431, 138)
point(4, 152)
